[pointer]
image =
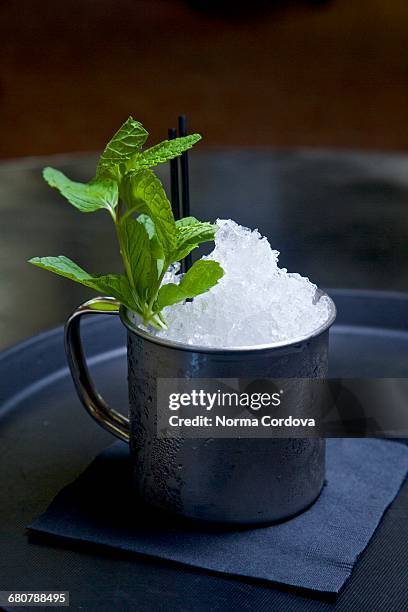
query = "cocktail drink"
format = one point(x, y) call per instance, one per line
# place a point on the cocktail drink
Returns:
point(232, 314)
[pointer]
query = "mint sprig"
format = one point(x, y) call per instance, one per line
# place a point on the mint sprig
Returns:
point(149, 238)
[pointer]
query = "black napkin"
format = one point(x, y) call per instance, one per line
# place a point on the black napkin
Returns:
point(316, 550)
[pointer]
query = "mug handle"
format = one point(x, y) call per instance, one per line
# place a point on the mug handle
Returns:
point(109, 419)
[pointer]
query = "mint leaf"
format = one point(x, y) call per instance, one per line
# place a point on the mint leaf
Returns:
point(113, 285)
point(187, 221)
point(191, 233)
point(203, 275)
point(87, 197)
point(141, 269)
point(148, 224)
point(127, 142)
point(105, 305)
point(156, 248)
point(163, 152)
point(143, 193)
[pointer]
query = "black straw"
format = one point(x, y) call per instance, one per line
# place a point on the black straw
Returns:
point(180, 209)
point(185, 185)
point(174, 180)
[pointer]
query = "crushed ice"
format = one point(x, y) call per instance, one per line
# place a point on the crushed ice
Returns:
point(255, 302)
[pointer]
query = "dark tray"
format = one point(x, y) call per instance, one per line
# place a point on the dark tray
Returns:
point(46, 439)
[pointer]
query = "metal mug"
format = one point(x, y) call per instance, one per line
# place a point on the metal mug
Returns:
point(234, 481)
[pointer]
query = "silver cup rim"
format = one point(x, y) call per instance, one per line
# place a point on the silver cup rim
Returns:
point(255, 348)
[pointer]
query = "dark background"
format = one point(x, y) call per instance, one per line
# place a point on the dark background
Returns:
point(249, 73)
point(302, 104)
